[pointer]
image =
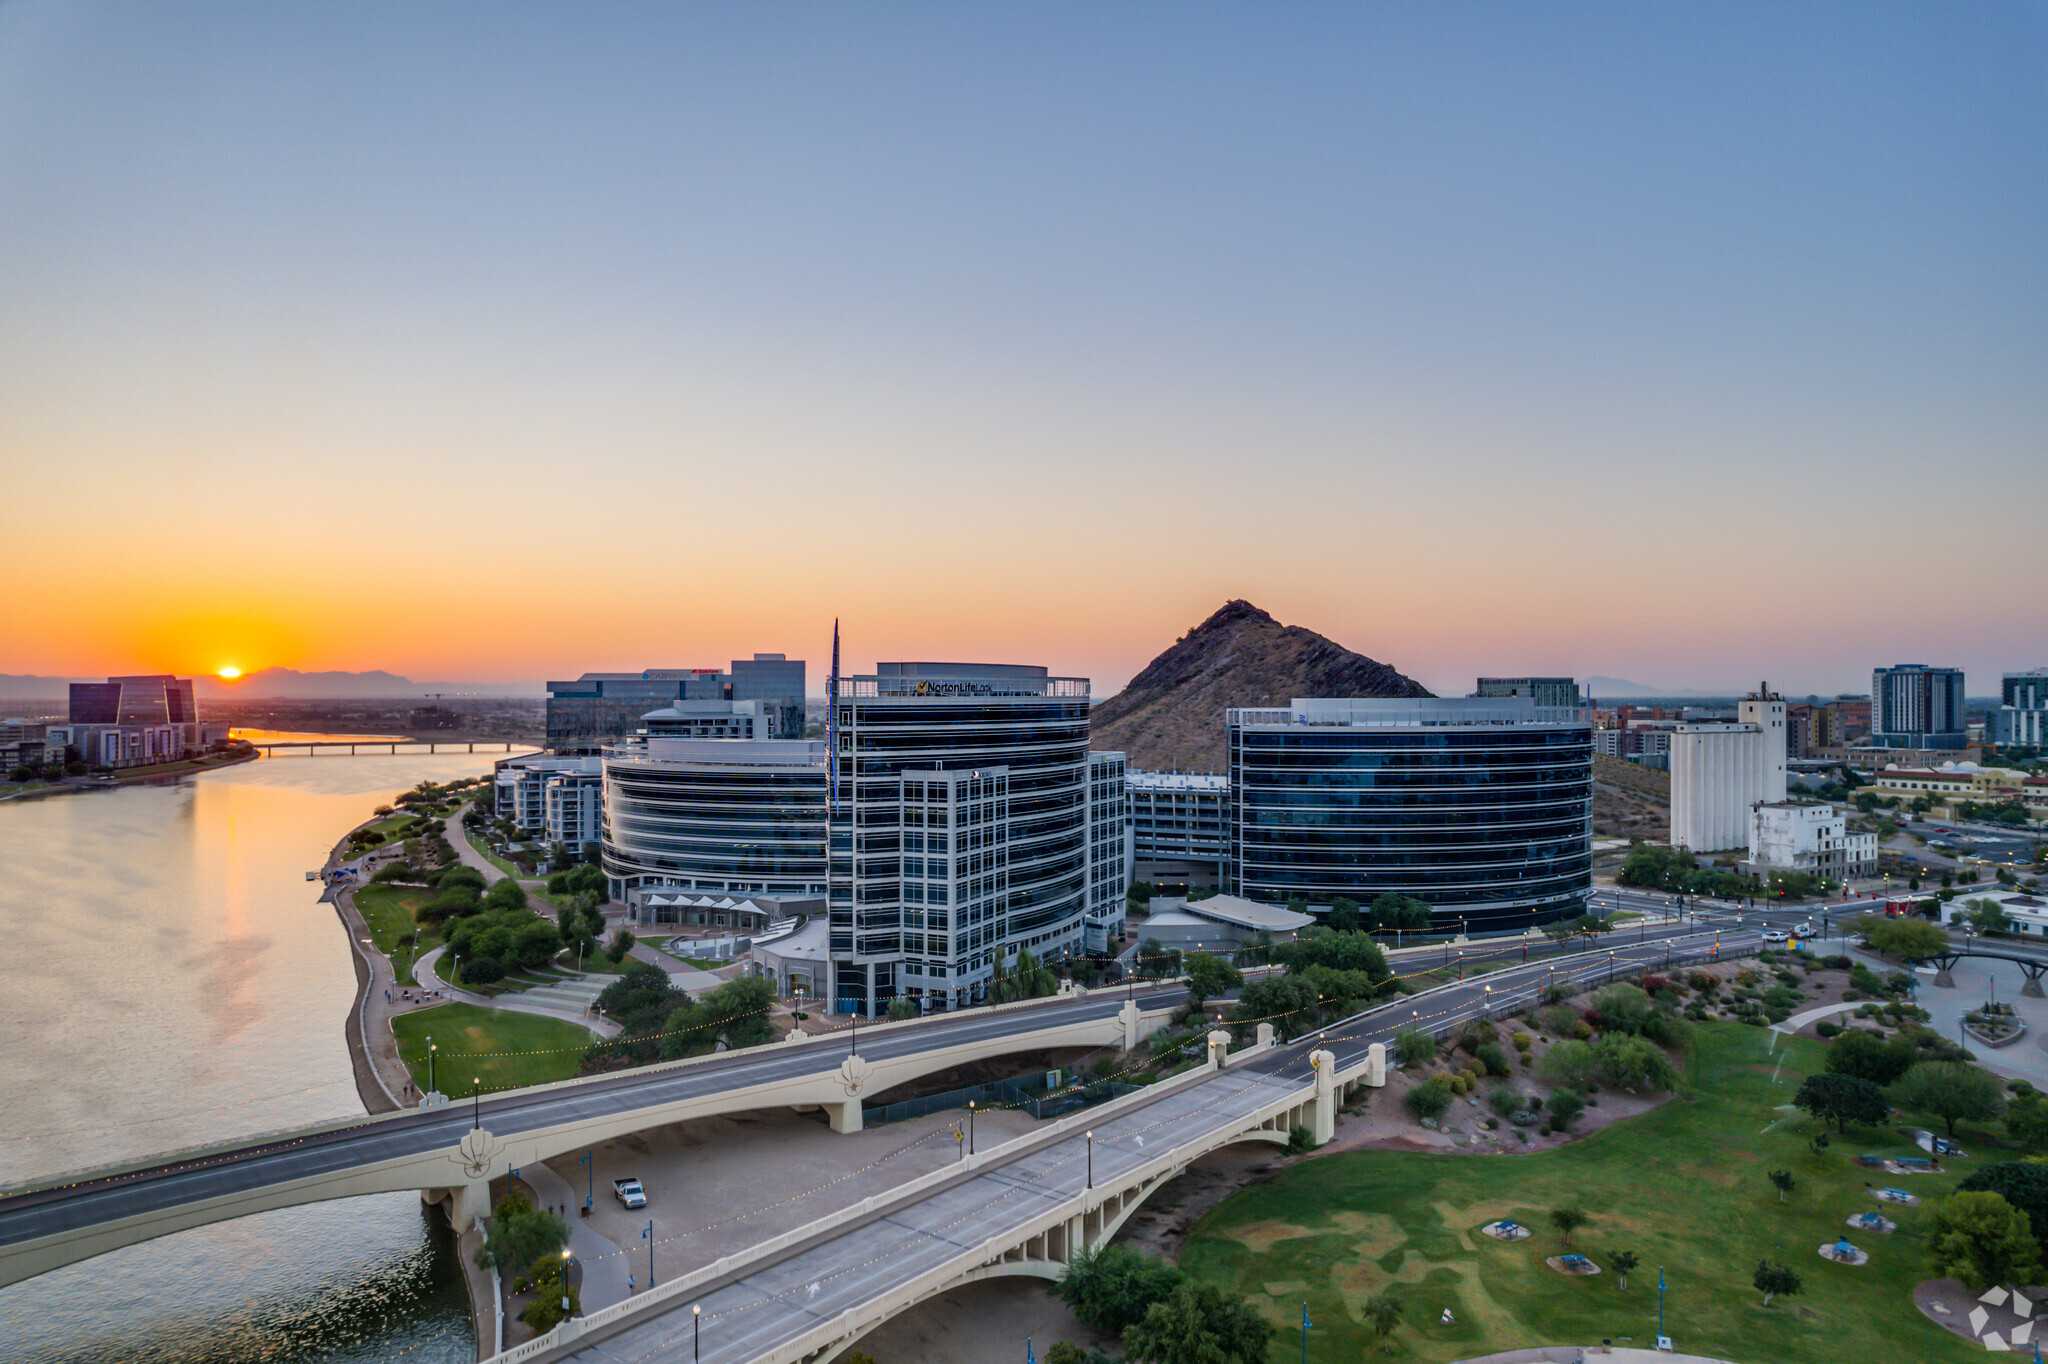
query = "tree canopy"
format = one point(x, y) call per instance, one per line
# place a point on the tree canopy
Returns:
point(1196, 1324)
point(1209, 975)
point(1842, 1099)
point(1983, 1240)
point(2022, 1183)
point(1950, 1090)
point(1113, 1287)
point(1863, 1054)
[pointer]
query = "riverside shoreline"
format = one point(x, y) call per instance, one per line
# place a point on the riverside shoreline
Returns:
point(132, 776)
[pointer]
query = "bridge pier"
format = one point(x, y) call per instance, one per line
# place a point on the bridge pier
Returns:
point(845, 1117)
point(2033, 985)
point(469, 1203)
point(1322, 1112)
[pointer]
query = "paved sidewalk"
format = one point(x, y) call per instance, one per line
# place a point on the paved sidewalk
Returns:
point(605, 1266)
point(429, 977)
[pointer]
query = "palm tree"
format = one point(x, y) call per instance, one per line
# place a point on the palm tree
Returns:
point(1382, 1313)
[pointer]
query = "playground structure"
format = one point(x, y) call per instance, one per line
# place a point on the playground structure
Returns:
point(1572, 1264)
point(1507, 1229)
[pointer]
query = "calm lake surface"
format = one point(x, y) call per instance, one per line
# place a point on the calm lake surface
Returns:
point(177, 981)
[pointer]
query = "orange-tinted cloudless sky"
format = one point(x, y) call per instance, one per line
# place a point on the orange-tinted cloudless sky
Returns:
point(1692, 345)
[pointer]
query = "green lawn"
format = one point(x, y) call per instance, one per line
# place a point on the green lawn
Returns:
point(507, 1050)
point(389, 910)
point(1684, 1186)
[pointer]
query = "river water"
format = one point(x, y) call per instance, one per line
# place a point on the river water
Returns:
point(175, 981)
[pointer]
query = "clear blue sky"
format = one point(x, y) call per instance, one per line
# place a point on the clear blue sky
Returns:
point(1692, 344)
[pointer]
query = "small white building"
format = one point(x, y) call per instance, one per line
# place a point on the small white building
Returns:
point(1807, 836)
point(2027, 911)
point(1221, 923)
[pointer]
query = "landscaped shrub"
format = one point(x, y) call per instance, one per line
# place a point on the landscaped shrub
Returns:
point(1568, 1065)
point(1523, 1041)
point(1827, 1029)
point(1582, 1029)
point(1491, 1055)
point(1745, 977)
point(1503, 1100)
point(1415, 1047)
point(1427, 1101)
point(1565, 1106)
point(1559, 1020)
point(1706, 982)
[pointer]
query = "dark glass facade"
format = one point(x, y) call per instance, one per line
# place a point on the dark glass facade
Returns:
point(1487, 820)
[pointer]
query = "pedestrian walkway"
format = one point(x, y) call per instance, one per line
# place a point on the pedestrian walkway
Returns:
point(605, 1266)
point(576, 994)
point(429, 977)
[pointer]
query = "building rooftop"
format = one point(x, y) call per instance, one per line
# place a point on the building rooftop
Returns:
point(1235, 911)
point(1137, 780)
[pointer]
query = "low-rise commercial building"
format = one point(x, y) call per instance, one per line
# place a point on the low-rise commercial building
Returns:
point(1953, 784)
point(1177, 828)
point(1809, 837)
point(1220, 923)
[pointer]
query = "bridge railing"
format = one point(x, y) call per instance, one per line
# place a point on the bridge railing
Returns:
point(914, 1190)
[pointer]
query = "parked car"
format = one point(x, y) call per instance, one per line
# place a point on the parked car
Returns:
point(1776, 935)
point(630, 1193)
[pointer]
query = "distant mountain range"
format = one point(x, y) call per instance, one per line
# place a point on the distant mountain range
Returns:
point(1171, 714)
point(1601, 688)
point(284, 684)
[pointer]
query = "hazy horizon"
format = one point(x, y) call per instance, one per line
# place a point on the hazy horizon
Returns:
point(482, 343)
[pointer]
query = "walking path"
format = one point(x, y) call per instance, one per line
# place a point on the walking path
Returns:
point(558, 1001)
point(604, 1267)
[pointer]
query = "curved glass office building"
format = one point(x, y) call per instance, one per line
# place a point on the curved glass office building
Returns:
point(737, 816)
point(1481, 807)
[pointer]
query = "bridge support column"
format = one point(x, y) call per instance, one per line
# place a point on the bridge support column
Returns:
point(1944, 979)
point(2033, 985)
point(468, 1203)
point(845, 1117)
point(1323, 1112)
point(1133, 1023)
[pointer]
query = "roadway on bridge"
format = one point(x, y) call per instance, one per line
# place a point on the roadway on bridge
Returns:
point(81, 1202)
point(776, 1303)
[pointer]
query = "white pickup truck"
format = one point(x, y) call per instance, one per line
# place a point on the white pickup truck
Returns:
point(630, 1193)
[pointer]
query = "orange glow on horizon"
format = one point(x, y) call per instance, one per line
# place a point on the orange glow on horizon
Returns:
point(230, 673)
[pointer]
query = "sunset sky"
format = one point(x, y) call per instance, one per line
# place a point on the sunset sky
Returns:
point(1692, 344)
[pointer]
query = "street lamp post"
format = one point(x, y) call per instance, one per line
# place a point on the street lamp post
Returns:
point(696, 1330)
point(648, 1236)
point(1091, 1160)
point(476, 1102)
point(567, 1256)
point(430, 1063)
point(970, 1127)
point(589, 1163)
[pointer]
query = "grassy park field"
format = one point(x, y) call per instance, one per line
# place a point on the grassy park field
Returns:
point(506, 1050)
point(1684, 1186)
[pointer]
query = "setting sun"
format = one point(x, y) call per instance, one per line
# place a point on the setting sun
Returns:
point(231, 673)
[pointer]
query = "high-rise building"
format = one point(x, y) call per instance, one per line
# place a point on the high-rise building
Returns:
point(961, 829)
point(735, 816)
point(129, 721)
point(2023, 709)
point(599, 708)
point(1109, 851)
point(1915, 706)
point(1480, 807)
point(1720, 770)
point(1544, 691)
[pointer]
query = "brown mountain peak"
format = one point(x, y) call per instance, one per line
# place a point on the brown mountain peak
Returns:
point(1171, 714)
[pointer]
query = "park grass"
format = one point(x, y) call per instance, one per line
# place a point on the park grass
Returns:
point(1684, 1186)
point(506, 1050)
point(389, 912)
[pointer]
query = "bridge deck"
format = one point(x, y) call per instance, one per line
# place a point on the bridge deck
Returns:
point(758, 1311)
